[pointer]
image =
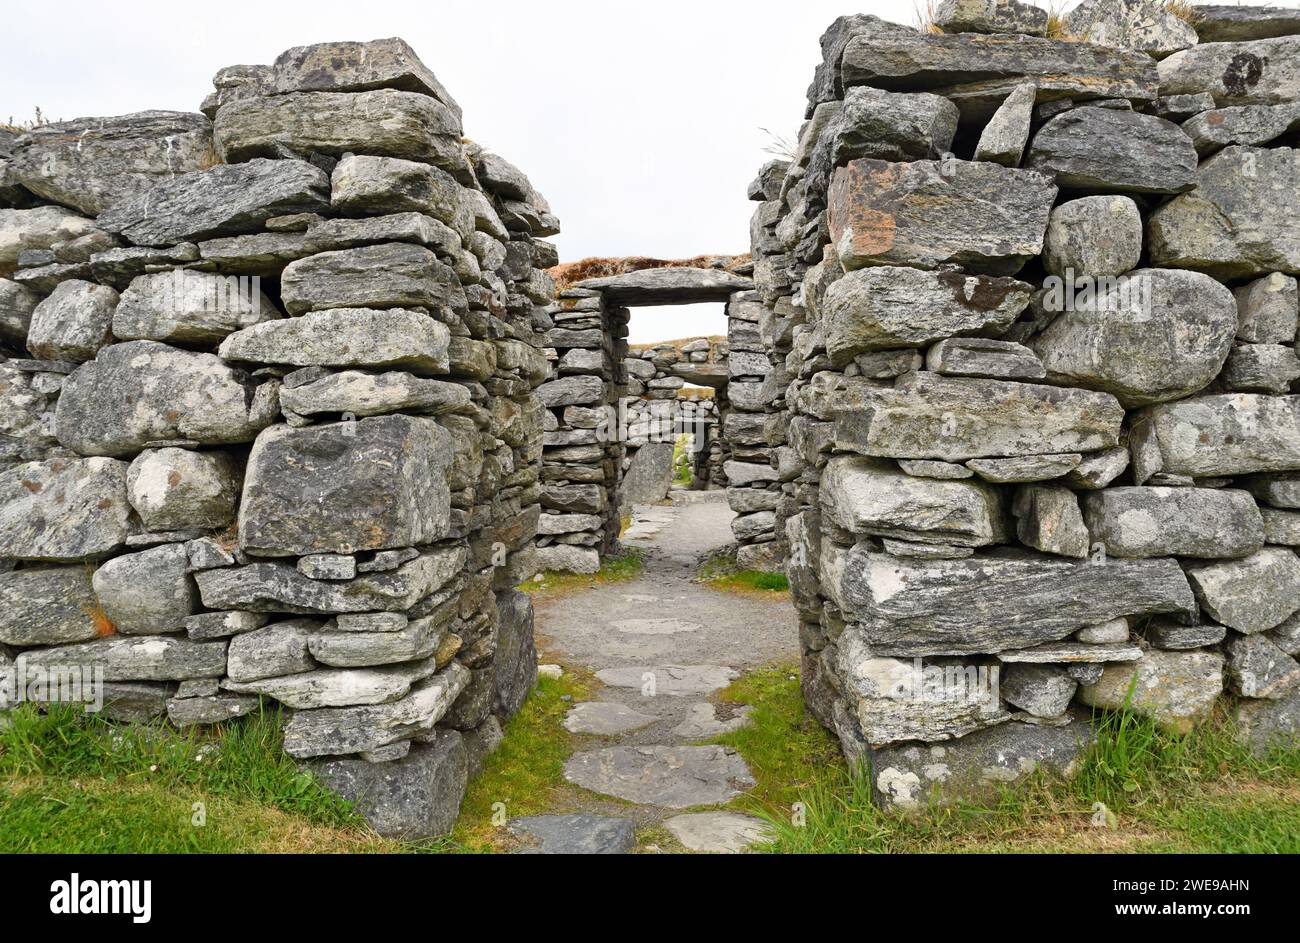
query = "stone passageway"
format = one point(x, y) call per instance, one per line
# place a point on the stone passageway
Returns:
point(661, 645)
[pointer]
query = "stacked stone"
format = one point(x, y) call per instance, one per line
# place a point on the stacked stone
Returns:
point(586, 342)
point(659, 408)
point(280, 438)
point(759, 323)
point(1037, 413)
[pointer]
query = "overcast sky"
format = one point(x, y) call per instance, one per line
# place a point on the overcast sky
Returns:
point(641, 123)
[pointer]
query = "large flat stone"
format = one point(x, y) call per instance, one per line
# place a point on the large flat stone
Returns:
point(225, 200)
point(279, 587)
point(926, 416)
point(93, 163)
point(394, 275)
point(346, 337)
point(1213, 436)
point(718, 832)
point(1183, 522)
point(374, 484)
point(887, 307)
point(173, 394)
point(872, 497)
point(339, 687)
point(577, 834)
point(605, 719)
point(672, 777)
point(184, 307)
point(1010, 599)
point(1114, 150)
point(1251, 595)
point(667, 286)
point(1236, 222)
point(1258, 72)
point(670, 680)
point(981, 216)
point(151, 658)
point(341, 730)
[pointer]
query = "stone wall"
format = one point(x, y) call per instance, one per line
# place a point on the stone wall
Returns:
point(268, 421)
point(1031, 309)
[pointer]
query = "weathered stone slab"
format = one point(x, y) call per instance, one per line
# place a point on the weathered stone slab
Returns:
point(340, 730)
point(1145, 25)
point(209, 709)
point(185, 307)
point(279, 587)
point(346, 337)
point(1267, 309)
point(17, 302)
point(1005, 600)
point(396, 275)
point(174, 395)
point(984, 217)
point(980, 16)
point(982, 357)
point(355, 67)
point(575, 834)
point(48, 606)
point(931, 417)
point(872, 497)
point(1242, 124)
point(1229, 23)
point(1092, 148)
point(1215, 436)
point(63, 510)
point(225, 200)
point(718, 832)
point(1258, 668)
point(667, 776)
point(647, 479)
point(977, 71)
point(1235, 223)
point(93, 163)
point(671, 680)
point(147, 593)
point(339, 687)
point(1259, 72)
point(1174, 636)
point(1252, 594)
point(419, 639)
point(1177, 689)
point(911, 776)
point(272, 651)
point(38, 228)
point(892, 700)
point(1072, 653)
point(892, 306)
point(412, 797)
point(572, 390)
point(1184, 522)
point(1042, 690)
point(414, 127)
point(377, 483)
point(1260, 368)
point(1270, 724)
point(1024, 468)
point(605, 719)
point(667, 286)
point(152, 658)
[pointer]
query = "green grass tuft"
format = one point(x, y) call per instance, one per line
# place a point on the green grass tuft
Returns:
point(614, 568)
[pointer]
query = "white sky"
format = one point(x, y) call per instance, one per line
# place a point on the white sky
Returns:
point(639, 122)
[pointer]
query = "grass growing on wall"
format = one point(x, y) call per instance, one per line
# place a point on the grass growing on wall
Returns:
point(1204, 792)
point(75, 782)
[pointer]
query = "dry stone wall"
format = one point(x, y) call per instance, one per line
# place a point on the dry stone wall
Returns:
point(269, 428)
point(1031, 310)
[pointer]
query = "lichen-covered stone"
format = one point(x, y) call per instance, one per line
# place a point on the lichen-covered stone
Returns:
point(1091, 148)
point(185, 307)
point(1252, 594)
point(1177, 689)
point(63, 510)
point(73, 323)
point(175, 489)
point(1183, 522)
point(149, 592)
point(346, 337)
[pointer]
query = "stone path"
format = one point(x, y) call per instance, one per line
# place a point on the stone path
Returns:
point(661, 646)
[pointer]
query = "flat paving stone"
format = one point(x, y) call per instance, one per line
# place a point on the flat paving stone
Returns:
point(671, 680)
point(605, 719)
point(702, 722)
point(672, 777)
point(574, 835)
point(719, 832)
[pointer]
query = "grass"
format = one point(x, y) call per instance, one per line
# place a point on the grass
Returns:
point(75, 782)
point(523, 775)
point(721, 572)
point(1204, 792)
point(614, 568)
